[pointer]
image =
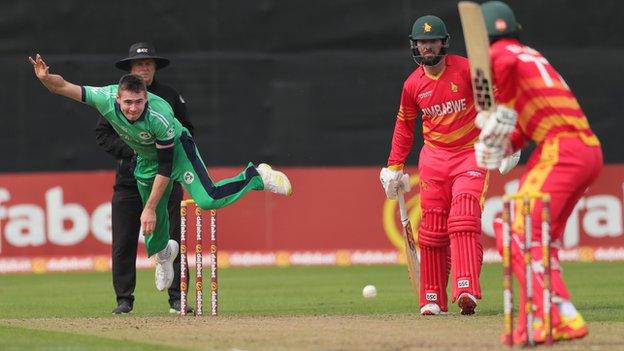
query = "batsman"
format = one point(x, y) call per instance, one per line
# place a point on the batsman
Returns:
point(451, 184)
point(535, 104)
point(165, 150)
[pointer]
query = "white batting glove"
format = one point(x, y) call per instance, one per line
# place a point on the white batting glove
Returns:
point(487, 156)
point(499, 126)
point(481, 118)
point(391, 182)
point(509, 162)
point(404, 184)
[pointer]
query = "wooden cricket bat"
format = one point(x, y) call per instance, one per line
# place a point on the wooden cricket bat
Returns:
point(478, 48)
point(411, 246)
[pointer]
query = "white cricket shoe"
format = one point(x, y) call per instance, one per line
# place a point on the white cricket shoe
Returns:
point(274, 181)
point(164, 265)
point(430, 309)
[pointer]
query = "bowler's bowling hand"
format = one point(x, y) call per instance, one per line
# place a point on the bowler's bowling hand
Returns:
point(40, 67)
point(148, 221)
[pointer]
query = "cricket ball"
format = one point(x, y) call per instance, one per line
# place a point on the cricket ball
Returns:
point(369, 292)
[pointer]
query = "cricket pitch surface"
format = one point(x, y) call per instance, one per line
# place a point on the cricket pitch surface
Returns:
point(366, 332)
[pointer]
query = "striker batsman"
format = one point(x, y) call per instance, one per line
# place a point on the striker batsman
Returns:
point(538, 105)
point(165, 151)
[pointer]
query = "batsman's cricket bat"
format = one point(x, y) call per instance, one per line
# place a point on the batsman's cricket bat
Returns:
point(411, 246)
point(478, 48)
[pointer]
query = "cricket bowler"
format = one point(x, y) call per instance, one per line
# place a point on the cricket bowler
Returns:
point(165, 151)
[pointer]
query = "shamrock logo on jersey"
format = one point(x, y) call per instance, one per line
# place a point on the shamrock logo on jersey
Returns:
point(145, 135)
point(188, 177)
point(170, 133)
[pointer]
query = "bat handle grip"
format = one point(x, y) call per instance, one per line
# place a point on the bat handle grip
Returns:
point(402, 208)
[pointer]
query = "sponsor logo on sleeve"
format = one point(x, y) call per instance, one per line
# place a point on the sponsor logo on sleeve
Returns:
point(170, 133)
point(188, 177)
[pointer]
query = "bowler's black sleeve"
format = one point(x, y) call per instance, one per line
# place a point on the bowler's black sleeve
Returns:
point(108, 139)
point(165, 161)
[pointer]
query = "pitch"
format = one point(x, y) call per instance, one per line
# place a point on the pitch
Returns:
point(290, 308)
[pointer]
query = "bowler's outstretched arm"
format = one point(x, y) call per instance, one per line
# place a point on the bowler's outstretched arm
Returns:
point(54, 82)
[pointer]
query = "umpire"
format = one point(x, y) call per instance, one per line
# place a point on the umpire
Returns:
point(126, 203)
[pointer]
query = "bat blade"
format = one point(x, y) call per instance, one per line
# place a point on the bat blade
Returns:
point(478, 49)
point(411, 246)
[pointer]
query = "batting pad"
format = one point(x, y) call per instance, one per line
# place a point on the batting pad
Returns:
point(464, 227)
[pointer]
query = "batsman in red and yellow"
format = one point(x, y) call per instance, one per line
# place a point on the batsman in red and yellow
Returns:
point(451, 184)
point(535, 103)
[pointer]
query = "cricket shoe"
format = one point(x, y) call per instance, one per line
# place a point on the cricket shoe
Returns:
point(176, 305)
point(274, 181)
point(467, 304)
point(164, 265)
point(431, 309)
point(123, 307)
point(570, 328)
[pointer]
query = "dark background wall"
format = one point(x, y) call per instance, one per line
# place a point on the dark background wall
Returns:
point(292, 82)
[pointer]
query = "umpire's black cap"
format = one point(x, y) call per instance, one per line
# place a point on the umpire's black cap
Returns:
point(140, 51)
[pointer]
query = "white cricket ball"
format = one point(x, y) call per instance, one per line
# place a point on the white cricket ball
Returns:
point(369, 292)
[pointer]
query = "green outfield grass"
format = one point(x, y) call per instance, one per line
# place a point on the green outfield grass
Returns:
point(291, 291)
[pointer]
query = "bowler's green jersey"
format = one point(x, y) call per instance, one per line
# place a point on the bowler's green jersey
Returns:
point(156, 125)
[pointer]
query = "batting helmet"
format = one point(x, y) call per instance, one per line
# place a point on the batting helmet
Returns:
point(500, 20)
point(429, 28)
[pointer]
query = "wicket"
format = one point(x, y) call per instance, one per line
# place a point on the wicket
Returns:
point(214, 288)
point(526, 250)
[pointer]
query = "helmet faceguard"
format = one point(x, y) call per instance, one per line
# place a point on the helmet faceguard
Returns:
point(429, 61)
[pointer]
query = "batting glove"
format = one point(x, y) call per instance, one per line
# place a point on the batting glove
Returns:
point(393, 181)
point(509, 162)
point(487, 156)
point(404, 184)
point(481, 118)
point(498, 126)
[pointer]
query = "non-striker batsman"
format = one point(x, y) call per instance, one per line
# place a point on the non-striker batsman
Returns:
point(451, 184)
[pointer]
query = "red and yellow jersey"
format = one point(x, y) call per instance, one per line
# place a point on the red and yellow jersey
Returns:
point(526, 82)
point(446, 106)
